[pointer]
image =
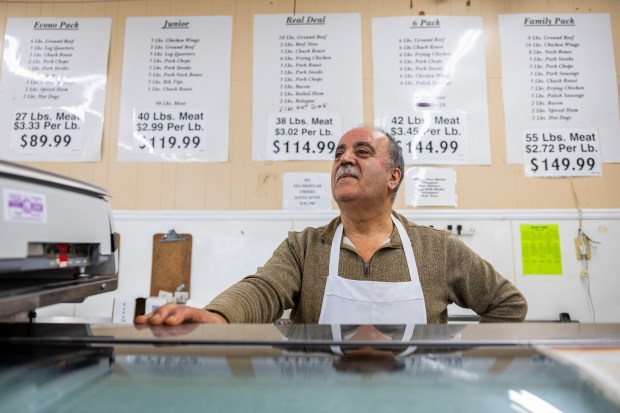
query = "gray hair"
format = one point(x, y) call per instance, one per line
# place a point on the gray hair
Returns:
point(396, 158)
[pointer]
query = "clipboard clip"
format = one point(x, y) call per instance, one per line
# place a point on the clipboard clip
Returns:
point(172, 236)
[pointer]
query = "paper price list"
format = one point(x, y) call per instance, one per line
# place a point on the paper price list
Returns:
point(558, 77)
point(556, 96)
point(44, 130)
point(430, 87)
point(553, 74)
point(305, 93)
point(422, 59)
point(303, 58)
point(171, 67)
point(51, 58)
point(171, 72)
point(176, 89)
point(302, 68)
point(48, 94)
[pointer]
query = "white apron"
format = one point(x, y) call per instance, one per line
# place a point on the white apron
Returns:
point(407, 334)
point(372, 302)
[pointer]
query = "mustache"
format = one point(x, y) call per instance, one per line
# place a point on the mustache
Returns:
point(348, 170)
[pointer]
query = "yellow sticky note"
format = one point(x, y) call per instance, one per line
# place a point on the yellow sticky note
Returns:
point(540, 249)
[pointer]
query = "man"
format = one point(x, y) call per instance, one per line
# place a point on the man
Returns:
point(368, 266)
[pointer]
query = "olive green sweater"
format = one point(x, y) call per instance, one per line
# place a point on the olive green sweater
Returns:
point(295, 276)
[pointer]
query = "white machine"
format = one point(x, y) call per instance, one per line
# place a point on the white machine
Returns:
point(57, 240)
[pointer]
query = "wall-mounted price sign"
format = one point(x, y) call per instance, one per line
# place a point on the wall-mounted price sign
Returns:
point(46, 131)
point(561, 152)
point(176, 89)
point(559, 72)
point(52, 88)
point(310, 83)
point(430, 136)
point(170, 130)
point(434, 65)
point(303, 136)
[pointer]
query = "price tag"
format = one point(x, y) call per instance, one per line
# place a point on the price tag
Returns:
point(172, 130)
point(430, 137)
point(302, 136)
point(561, 152)
point(46, 130)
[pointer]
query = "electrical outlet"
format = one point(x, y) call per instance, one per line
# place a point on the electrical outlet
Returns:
point(582, 248)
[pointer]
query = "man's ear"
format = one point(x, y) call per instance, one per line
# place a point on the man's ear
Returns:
point(395, 174)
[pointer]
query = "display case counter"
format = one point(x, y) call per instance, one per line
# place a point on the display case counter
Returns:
point(530, 367)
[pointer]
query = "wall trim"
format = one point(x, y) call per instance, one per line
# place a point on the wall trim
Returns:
point(415, 215)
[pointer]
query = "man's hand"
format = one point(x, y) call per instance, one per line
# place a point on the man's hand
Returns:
point(173, 314)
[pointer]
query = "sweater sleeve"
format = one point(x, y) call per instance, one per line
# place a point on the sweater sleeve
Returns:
point(262, 297)
point(475, 284)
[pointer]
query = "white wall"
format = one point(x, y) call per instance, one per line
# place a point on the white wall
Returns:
point(229, 245)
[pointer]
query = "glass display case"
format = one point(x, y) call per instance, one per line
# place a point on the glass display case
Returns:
point(308, 368)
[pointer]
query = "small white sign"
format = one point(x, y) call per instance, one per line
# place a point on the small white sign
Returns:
point(303, 136)
point(438, 137)
point(430, 187)
point(306, 191)
point(22, 206)
point(561, 152)
point(153, 303)
point(123, 311)
point(170, 130)
point(47, 130)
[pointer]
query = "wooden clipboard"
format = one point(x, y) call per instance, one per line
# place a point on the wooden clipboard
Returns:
point(172, 263)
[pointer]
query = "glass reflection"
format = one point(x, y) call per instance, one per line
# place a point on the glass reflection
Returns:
point(361, 380)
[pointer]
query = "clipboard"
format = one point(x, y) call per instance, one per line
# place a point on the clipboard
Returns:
point(172, 263)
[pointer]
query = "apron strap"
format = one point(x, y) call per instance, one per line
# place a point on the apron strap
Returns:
point(410, 258)
point(335, 251)
point(337, 336)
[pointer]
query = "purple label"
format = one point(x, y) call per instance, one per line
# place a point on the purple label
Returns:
point(22, 206)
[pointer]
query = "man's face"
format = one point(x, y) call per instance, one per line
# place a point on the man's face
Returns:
point(360, 170)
